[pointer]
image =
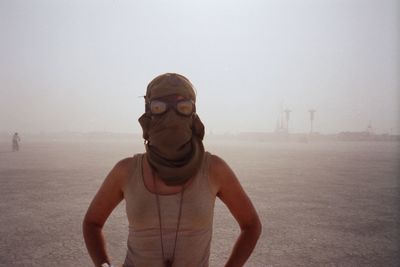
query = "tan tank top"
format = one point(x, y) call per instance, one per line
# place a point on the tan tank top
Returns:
point(195, 231)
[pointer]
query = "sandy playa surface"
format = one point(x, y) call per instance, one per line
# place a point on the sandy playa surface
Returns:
point(321, 204)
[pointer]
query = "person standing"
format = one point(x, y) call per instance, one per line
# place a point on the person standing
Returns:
point(170, 190)
point(15, 142)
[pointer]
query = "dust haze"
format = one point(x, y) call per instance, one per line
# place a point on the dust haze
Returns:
point(301, 98)
point(73, 66)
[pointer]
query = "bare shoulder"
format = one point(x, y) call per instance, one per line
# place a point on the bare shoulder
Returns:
point(124, 165)
point(221, 173)
point(217, 164)
point(122, 170)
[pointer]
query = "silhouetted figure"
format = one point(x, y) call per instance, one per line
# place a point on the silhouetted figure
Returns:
point(15, 142)
point(312, 112)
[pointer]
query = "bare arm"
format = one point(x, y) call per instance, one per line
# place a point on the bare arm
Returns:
point(107, 198)
point(232, 194)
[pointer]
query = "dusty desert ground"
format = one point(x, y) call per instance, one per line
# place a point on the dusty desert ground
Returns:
point(321, 204)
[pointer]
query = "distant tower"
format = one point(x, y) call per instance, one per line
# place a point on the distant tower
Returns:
point(280, 121)
point(287, 115)
point(312, 111)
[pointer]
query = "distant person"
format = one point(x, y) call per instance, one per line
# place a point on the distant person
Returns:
point(15, 142)
point(170, 190)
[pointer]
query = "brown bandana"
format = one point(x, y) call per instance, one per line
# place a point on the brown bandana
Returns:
point(174, 142)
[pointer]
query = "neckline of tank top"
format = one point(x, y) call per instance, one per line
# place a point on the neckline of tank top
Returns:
point(187, 187)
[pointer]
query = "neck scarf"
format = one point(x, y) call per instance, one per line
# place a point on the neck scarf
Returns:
point(174, 150)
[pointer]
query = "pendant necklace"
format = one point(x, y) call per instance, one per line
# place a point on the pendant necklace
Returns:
point(170, 261)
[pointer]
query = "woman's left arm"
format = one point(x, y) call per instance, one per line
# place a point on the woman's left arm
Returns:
point(239, 204)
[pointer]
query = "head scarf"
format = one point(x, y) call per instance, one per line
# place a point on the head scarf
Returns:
point(174, 146)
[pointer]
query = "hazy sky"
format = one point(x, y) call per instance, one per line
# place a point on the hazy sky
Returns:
point(78, 65)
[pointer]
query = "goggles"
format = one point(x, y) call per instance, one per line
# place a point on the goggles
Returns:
point(182, 107)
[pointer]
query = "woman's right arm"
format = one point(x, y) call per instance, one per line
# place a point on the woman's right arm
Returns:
point(106, 199)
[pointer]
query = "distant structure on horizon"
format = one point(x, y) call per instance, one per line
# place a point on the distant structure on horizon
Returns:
point(312, 112)
point(282, 123)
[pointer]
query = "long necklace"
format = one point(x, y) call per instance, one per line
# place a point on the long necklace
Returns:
point(167, 262)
